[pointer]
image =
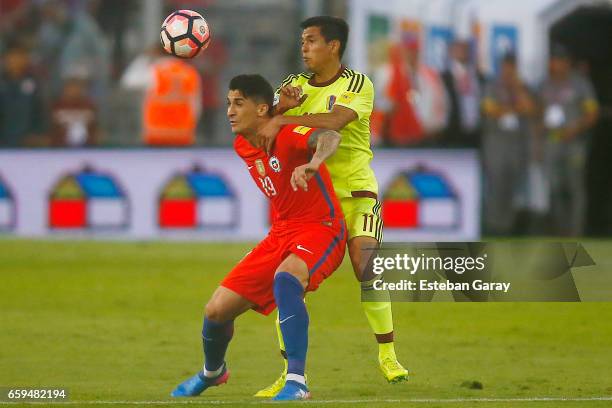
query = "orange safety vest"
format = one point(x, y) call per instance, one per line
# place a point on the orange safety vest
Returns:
point(170, 113)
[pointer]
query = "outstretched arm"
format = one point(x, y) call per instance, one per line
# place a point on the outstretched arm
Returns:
point(337, 119)
point(325, 142)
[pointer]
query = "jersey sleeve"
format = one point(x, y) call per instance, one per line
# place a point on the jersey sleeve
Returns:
point(358, 96)
point(287, 81)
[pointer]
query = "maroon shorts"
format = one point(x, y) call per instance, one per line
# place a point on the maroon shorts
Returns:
point(320, 245)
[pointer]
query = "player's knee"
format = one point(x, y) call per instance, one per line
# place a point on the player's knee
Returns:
point(295, 266)
point(360, 250)
point(355, 255)
point(215, 312)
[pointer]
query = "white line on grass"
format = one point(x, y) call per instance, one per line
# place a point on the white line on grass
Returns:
point(349, 401)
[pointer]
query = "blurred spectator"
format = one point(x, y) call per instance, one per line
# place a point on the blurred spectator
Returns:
point(70, 37)
point(115, 18)
point(507, 107)
point(73, 116)
point(463, 85)
point(410, 95)
point(21, 106)
point(569, 111)
point(13, 15)
point(11, 11)
point(138, 75)
point(172, 103)
point(15, 19)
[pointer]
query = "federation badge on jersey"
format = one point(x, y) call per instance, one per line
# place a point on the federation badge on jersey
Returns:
point(302, 130)
point(275, 164)
point(261, 169)
point(347, 97)
point(331, 100)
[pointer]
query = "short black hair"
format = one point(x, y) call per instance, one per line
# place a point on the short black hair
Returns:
point(332, 28)
point(254, 87)
point(559, 51)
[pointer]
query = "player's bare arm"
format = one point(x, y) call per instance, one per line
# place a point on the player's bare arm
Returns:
point(338, 118)
point(325, 143)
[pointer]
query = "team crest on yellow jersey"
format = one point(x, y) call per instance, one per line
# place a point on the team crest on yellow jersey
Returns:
point(331, 100)
point(347, 97)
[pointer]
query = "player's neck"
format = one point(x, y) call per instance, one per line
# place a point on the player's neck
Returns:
point(250, 136)
point(327, 73)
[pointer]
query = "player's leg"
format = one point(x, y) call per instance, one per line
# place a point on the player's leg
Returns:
point(290, 281)
point(364, 224)
point(274, 388)
point(218, 330)
point(224, 306)
point(322, 248)
point(316, 252)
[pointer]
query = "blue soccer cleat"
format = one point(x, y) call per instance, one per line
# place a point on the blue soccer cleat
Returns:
point(292, 391)
point(195, 385)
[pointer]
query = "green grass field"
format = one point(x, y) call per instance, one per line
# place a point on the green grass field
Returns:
point(120, 323)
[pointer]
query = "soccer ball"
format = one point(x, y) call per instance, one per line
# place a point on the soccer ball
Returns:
point(185, 33)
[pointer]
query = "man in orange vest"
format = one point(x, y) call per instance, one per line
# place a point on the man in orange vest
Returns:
point(172, 103)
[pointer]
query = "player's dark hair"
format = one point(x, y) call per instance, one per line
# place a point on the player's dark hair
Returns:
point(254, 87)
point(332, 28)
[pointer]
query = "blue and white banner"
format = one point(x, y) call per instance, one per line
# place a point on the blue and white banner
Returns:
point(504, 41)
point(208, 194)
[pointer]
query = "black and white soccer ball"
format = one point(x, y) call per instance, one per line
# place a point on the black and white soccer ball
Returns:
point(185, 33)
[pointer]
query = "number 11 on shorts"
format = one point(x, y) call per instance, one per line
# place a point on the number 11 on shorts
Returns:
point(368, 222)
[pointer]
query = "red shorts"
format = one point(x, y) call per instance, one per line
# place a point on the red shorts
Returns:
point(320, 246)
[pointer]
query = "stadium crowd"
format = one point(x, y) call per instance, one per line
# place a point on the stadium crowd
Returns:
point(72, 77)
point(524, 135)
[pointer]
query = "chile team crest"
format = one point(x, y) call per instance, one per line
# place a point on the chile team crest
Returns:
point(421, 198)
point(275, 164)
point(88, 200)
point(197, 199)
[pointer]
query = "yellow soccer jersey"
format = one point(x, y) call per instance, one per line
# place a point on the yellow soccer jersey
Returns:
point(350, 166)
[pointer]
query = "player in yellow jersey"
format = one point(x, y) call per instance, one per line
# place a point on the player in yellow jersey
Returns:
point(334, 97)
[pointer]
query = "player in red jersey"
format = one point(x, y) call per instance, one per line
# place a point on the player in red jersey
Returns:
point(304, 246)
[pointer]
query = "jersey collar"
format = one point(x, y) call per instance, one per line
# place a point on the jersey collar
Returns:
point(311, 81)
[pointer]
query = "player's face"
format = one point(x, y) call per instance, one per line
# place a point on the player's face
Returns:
point(241, 112)
point(316, 52)
point(559, 66)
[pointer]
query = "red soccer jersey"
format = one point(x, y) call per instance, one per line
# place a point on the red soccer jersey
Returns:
point(272, 174)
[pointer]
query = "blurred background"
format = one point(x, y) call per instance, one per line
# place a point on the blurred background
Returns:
point(502, 108)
